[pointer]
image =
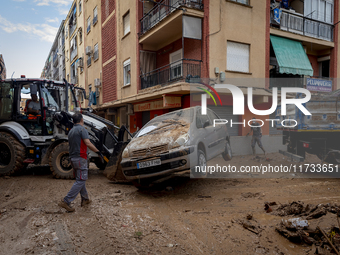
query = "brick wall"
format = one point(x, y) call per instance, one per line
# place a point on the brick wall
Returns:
point(110, 82)
point(108, 7)
point(192, 50)
point(109, 39)
point(109, 50)
point(315, 65)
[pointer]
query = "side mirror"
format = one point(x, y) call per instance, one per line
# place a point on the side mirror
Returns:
point(206, 123)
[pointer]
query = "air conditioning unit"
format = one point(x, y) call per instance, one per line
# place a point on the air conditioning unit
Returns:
point(81, 62)
point(97, 82)
point(88, 50)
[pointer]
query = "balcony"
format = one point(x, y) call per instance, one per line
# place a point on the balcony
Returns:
point(164, 9)
point(63, 42)
point(56, 74)
point(74, 79)
point(73, 54)
point(174, 72)
point(55, 59)
point(299, 24)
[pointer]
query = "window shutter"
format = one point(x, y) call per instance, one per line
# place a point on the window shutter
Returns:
point(237, 57)
point(126, 21)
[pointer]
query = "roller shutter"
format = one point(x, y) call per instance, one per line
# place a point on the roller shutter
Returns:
point(226, 112)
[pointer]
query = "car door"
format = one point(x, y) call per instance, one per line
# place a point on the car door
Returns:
point(208, 134)
point(221, 132)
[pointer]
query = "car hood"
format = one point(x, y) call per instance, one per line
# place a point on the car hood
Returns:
point(163, 138)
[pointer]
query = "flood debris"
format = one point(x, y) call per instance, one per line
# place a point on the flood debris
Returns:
point(324, 240)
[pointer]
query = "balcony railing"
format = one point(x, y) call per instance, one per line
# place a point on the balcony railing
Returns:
point(180, 70)
point(55, 59)
point(73, 54)
point(297, 23)
point(164, 9)
point(56, 74)
point(74, 79)
point(72, 28)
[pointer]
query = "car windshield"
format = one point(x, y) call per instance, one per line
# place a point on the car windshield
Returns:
point(180, 117)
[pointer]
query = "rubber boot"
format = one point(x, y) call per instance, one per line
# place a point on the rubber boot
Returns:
point(254, 151)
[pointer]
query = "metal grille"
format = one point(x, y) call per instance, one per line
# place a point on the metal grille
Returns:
point(152, 150)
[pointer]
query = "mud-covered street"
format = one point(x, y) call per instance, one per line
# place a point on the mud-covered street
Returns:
point(180, 216)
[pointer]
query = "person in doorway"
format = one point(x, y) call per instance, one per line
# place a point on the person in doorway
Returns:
point(33, 107)
point(257, 135)
point(78, 143)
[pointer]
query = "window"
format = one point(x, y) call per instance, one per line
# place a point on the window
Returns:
point(89, 59)
point(80, 6)
point(126, 23)
point(97, 91)
point(322, 10)
point(73, 48)
point(96, 52)
point(80, 35)
point(7, 95)
point(66, 31)
point(238, 57)
point(88, 24)
point(127, 72)
point(95, 15)
point(241, 1)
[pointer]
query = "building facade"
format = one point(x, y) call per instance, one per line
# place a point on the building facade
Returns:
point(141, 57)
point(2, 68)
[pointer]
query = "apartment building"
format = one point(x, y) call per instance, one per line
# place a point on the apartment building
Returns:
point(149, 53)
point(93, 47)
point(2, 68)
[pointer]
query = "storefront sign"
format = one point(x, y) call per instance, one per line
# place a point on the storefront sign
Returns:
point(319, 85)
point(172, 102)
point(166, 102)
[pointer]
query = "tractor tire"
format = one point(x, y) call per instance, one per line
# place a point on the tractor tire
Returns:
point(60, 163)
point(12, 154)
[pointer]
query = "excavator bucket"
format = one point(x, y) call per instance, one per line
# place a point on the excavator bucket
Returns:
point(113, 170)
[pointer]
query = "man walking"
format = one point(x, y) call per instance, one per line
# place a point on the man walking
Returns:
point(78, 143)
point(257, 134)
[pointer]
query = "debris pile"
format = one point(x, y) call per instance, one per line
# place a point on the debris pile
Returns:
point(305, 228)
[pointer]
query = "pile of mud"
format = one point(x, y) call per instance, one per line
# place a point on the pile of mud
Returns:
point(307, 224)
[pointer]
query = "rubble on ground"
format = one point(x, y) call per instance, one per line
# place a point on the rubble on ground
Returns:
point(305, 227)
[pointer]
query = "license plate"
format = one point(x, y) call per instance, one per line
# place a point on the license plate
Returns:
point(149, 163)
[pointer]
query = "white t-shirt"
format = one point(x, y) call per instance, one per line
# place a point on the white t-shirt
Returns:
point(34, 105)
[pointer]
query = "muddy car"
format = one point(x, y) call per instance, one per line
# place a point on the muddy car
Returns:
point(175, 142)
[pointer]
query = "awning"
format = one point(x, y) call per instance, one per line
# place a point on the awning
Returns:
point(291, 56)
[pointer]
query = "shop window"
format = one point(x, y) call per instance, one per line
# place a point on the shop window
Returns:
point(238, 57)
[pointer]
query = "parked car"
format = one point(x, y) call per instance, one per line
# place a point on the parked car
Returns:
point(173, 142)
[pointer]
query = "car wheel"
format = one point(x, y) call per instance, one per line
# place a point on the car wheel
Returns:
point(227, 154)
point(202, 163)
